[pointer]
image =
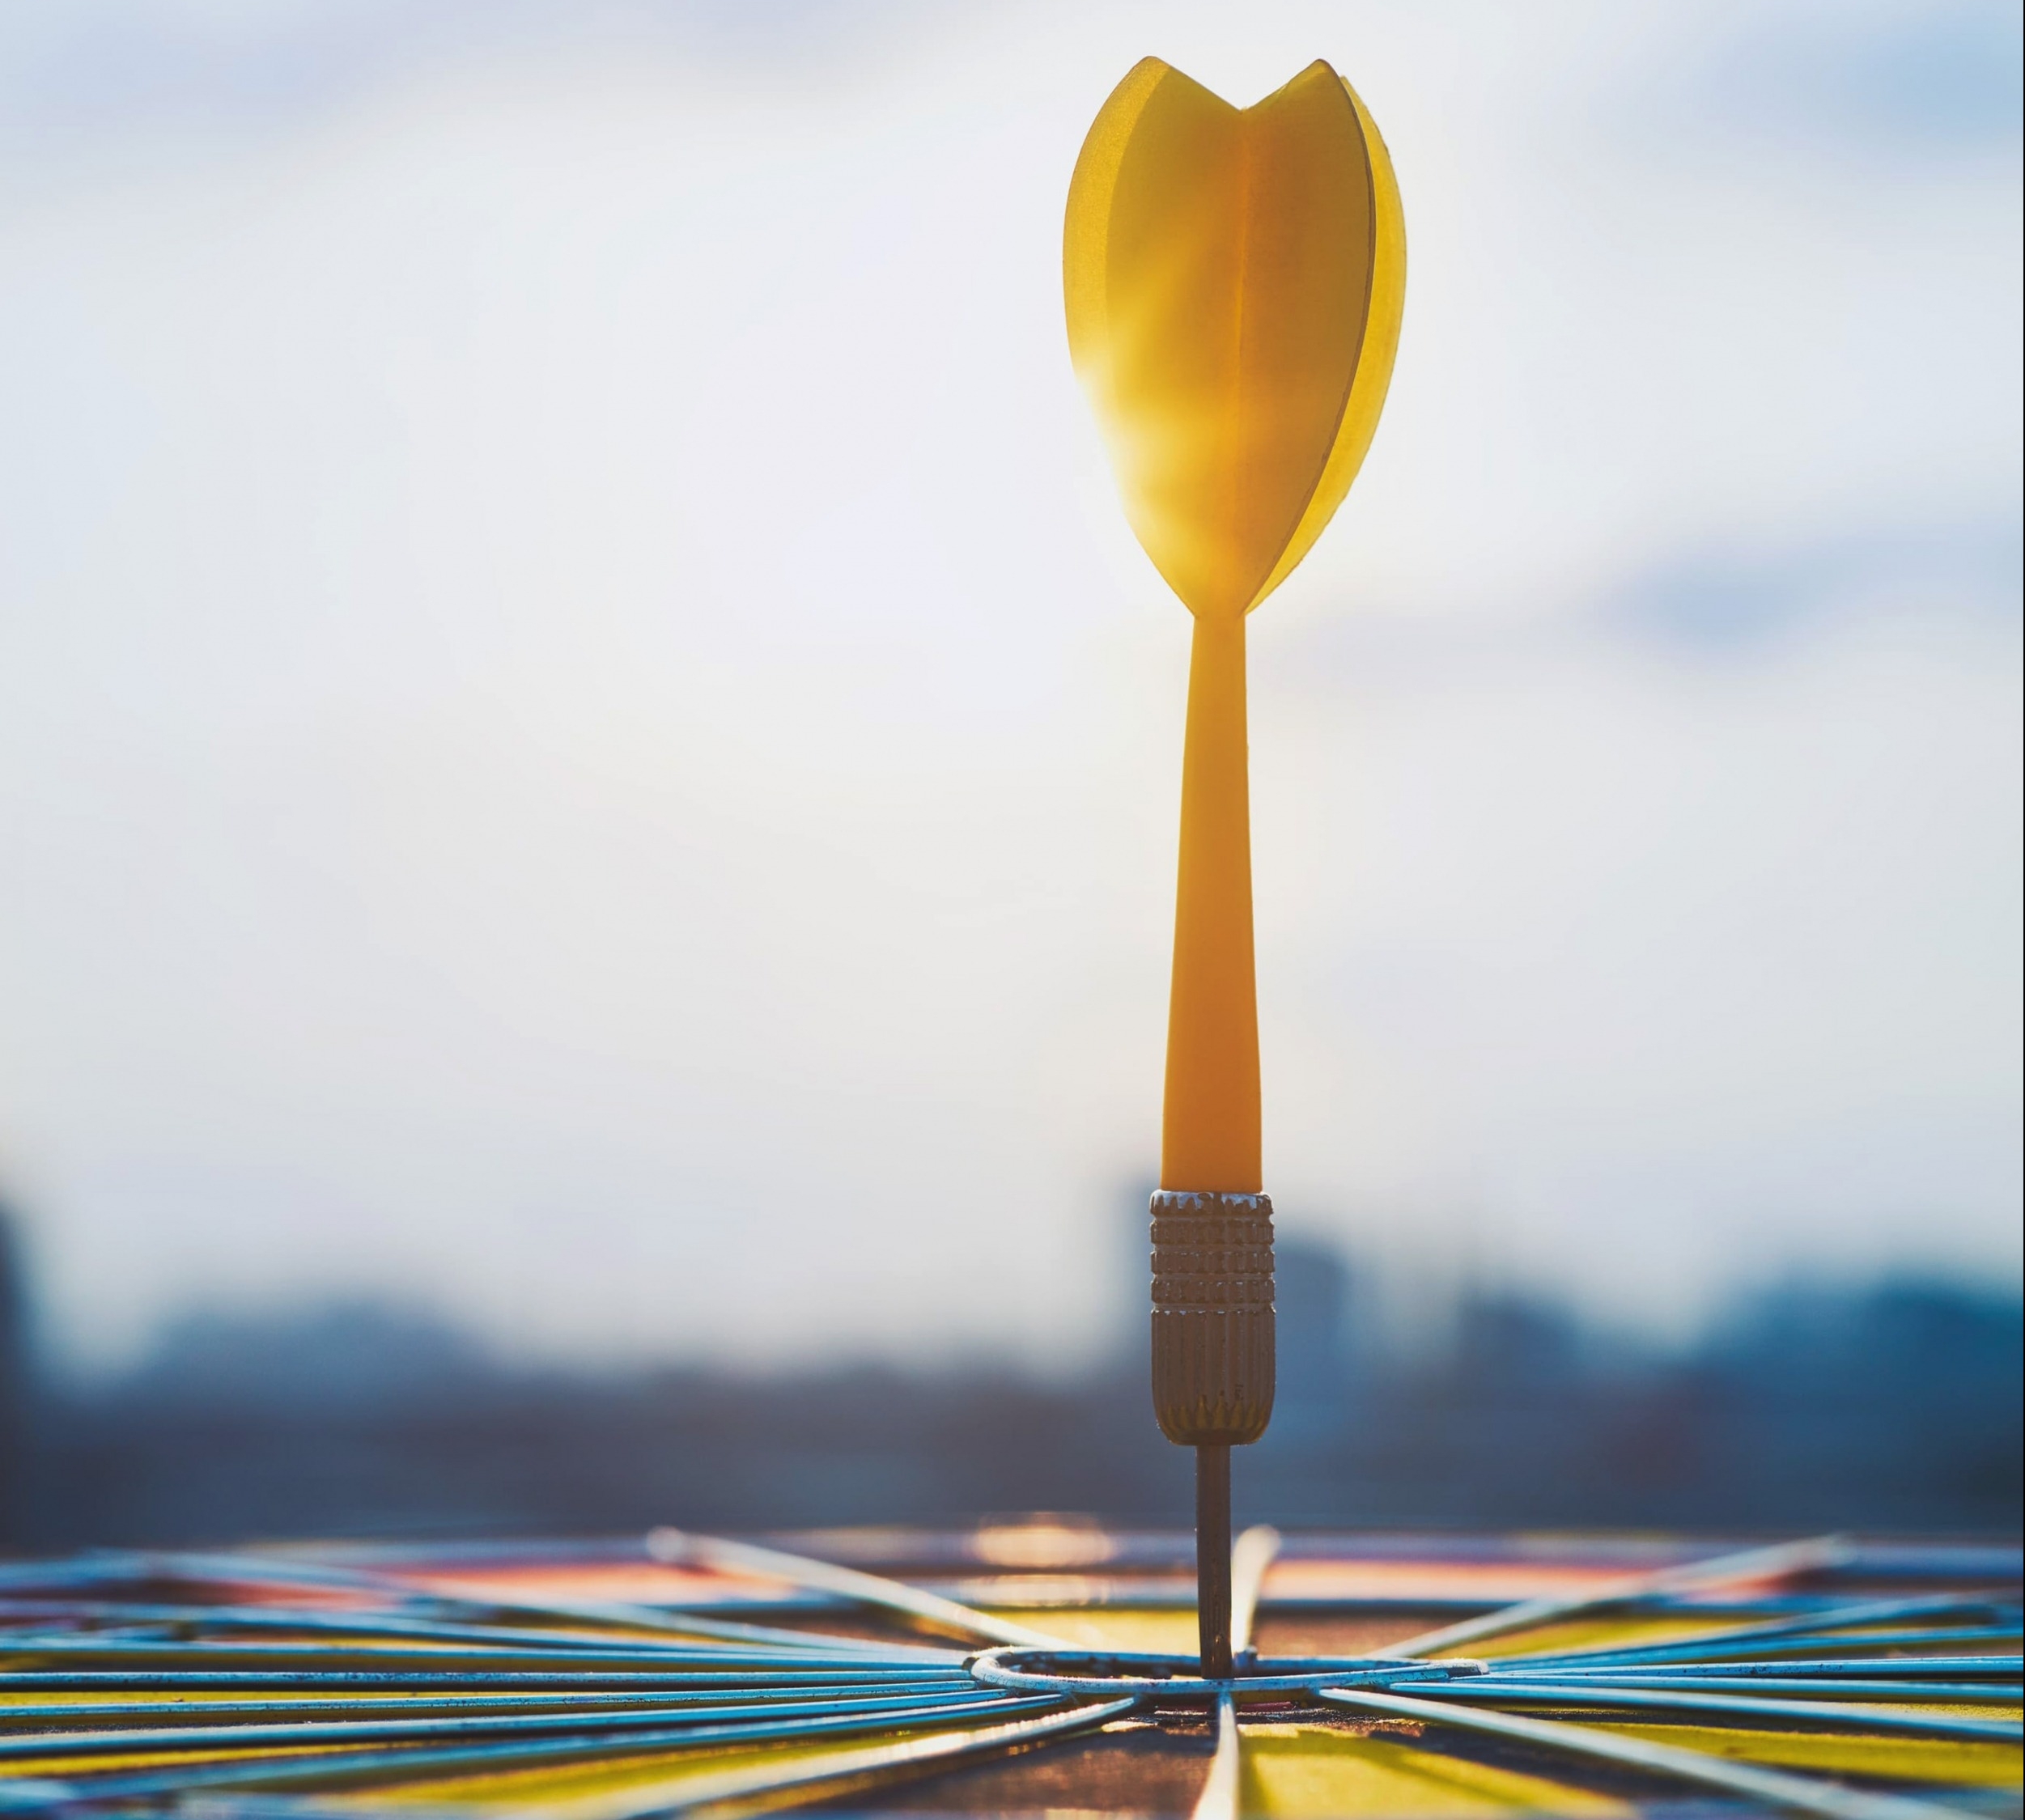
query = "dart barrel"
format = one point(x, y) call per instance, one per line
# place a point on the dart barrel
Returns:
point(1212, 1317)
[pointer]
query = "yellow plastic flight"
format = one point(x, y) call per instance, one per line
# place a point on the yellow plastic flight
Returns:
point(1233, 279)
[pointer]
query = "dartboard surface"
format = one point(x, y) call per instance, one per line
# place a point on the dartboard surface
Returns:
point(1035, 1667)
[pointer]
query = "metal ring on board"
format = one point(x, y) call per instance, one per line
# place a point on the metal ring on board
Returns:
point(1111, 1672)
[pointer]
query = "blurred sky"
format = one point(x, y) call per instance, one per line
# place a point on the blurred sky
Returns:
point(580, 735)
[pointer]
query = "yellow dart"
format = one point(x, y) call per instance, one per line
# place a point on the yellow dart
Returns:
point(1233, 279)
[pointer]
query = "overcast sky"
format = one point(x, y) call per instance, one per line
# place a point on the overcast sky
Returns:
point(581, 737)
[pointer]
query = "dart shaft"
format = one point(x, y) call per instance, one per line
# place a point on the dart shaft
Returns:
point(1210, 1121)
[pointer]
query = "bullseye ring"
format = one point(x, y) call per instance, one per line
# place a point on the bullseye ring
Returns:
point(1115, 1671)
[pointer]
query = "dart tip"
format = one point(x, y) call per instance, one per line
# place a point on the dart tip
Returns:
point(1212, 1558)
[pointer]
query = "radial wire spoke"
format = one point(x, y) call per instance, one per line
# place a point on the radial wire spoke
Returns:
point(242, 1568)
point(680, 1546)
point(1755, 1564)
point(1218, 1798)
point(1496, 1692)
point(1714, 1650)
point(1251, 1555)
point(881, 1763)
point(370, 1765)
point(1819, 1687)
point(281, 1735)
point(1806, 1627)
point(1776, 1788)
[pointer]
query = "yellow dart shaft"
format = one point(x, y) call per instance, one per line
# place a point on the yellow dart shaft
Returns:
point(1210, 1135)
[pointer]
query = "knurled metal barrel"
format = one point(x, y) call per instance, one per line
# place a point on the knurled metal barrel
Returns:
point(1212, 1317)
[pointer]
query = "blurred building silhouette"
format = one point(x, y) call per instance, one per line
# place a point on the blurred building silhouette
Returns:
point(1314, 1295)
point(1893, 1405)
point(15, 1390)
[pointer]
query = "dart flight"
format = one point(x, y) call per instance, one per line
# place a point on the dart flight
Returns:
point(1233, 280)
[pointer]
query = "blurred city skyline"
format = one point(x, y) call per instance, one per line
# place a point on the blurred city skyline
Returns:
point(582, 739)
point(1890, 1405)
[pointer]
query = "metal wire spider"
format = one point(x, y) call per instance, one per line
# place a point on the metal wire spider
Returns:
point(258, 1685)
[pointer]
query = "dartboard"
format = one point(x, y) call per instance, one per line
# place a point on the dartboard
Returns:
point(1037, 1666)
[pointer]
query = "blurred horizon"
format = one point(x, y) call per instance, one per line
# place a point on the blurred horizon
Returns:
point(1890, 1406)
point(584, 746)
